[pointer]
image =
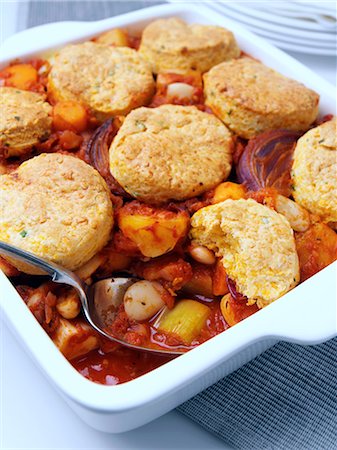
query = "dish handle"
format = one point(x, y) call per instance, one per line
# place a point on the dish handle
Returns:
point(307, 314)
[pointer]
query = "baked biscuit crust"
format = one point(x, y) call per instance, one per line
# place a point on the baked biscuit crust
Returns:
point(24, 120)
point(57, 207)
point(172, 44)
point(170, 153)
point(108, 80)
point(314, 171)
point(250, 98)
point(256, 245)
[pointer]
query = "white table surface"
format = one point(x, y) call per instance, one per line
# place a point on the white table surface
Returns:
point(33, 416)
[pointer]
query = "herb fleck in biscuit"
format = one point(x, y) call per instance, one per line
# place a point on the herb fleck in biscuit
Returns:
point(108, 80)
point(256, 244)
point(250, 98)
point(24, 120)
point(170, 153)
point(314, 171)
point(57, 207)
point(171, 45)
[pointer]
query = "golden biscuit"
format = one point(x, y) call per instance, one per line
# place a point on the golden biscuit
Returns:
point(57, 207)
point(170, 153)
point(108, 80)
point(24, 120)
point(171, 45)
point(256, 245)
point(314, 171)
point(250, 98)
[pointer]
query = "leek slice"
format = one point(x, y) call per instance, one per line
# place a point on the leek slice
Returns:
point(185, 320)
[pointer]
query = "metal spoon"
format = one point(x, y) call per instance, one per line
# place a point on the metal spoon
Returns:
point(99, 301)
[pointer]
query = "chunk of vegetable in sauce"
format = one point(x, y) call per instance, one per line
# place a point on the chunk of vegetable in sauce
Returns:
point(185, 320)
point(235, 310)
point(316, 248)
point(155, 231)
point(70, 115)
point(21, 76)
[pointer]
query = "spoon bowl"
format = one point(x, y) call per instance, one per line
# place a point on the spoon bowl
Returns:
point(100, 301)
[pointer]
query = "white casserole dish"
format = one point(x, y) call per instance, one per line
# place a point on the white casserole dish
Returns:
point(306, 315)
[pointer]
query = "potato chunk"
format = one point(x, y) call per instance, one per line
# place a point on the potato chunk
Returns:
point(155, 231)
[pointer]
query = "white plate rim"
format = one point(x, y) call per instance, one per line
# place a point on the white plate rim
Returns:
point(227, 10)
point(277, 19)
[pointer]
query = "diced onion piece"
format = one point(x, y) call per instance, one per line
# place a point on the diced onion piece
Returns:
point(180, 90)
point(266, 161)
point(20, 76)
point(115, 37)
point(68, 305)
point(297, 216)
point(44, 69)
point(74, 338)
point(97, 153)
point(70, 115)
point(228, 190)
point(143, 300)
point(91, 266)
point(185, 320)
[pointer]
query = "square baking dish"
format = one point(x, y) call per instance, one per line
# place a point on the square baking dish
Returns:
point(305, 315)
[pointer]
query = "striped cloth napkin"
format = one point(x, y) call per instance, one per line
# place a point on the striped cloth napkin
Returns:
point(284, 399)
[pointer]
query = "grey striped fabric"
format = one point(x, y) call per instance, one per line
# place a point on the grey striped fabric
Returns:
point(285, 398)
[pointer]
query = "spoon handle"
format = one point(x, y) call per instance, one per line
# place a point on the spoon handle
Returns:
point(64, 276)
point(58, 274)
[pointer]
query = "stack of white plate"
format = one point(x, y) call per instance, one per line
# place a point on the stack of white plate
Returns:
point(302, 26)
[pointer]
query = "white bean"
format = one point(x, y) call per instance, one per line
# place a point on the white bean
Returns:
point(202, 254)
point(143, 300)
point(180, 90)
point(297, 216)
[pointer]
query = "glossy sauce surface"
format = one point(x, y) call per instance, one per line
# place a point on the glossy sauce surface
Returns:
point(117, 367)
point(114, 366)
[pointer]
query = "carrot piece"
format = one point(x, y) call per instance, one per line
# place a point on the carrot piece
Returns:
point(219, 279)
point(21, 76)
point(70, 115)
point(69, 140)
point(228, 190)
point(234, 311)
